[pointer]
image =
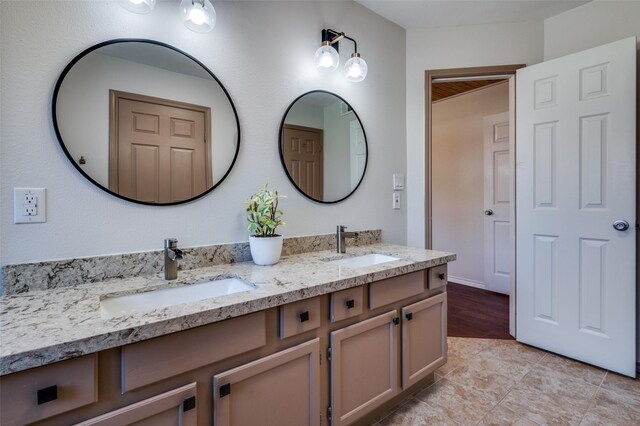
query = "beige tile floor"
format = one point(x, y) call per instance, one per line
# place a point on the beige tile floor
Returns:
point(502, 382)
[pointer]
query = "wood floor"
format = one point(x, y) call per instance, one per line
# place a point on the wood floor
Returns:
point(472, 312)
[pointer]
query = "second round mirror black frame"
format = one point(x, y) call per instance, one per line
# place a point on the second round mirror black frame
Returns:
point(284, 165)
point(85, 52)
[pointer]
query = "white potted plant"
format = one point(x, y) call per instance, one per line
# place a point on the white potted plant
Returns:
point(264, 218)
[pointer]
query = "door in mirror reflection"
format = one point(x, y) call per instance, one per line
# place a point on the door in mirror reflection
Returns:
point(302, 154)
point(158, 151)
point(323, 146)
point(151, 124)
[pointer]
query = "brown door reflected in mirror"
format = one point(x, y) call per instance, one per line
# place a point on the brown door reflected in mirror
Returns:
point(302, 152)
point(157, 150)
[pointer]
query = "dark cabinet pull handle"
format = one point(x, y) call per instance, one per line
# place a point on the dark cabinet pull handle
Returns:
point(441, 276)
point(396, 321)
point(351, 303)
point(189, 404)
point(225, 390)
point(304, 316)
point(409, 316)
point(47, 394)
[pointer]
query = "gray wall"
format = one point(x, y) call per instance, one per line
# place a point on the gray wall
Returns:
point(38, 38)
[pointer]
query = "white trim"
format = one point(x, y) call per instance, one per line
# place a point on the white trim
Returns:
point(467, 282)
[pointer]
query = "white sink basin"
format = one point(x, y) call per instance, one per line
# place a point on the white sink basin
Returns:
point(364, 260)
point(142, 302)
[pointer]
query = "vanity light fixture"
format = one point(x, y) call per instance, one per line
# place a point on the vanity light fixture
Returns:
point(138, 6)
point(198, 15)
point(328, 59)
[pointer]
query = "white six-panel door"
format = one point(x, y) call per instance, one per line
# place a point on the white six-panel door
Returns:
point(575, 177)
point(497, 202)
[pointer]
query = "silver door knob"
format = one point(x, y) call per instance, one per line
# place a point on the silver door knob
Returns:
point(620, 225)
point(488, 212)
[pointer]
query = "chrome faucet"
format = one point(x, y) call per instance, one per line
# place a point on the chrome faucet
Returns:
point(171, 256)
point(340, 238)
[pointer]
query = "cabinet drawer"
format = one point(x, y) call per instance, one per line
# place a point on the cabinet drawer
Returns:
point(298, 317)
point(347, 303)
point(42, 392)
point(167, 356)
point(391, 290)
point(437, 276)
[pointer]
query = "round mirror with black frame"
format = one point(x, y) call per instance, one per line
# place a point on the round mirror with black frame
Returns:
point(323, 146)
point(145, 121)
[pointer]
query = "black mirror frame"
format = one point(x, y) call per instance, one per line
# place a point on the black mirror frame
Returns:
point(284, 165)
point(85, 52)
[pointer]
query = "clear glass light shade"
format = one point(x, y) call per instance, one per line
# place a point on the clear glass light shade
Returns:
point(198, 15)
point(355, 68)
point(327, 58)
point(138, 6)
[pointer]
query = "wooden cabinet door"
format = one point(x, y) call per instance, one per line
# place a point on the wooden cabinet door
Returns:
point(424, 338)
point(280, 389)
point(364, 367)
point(173, 408)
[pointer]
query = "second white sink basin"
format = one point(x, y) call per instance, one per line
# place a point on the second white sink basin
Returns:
point(155, 299)
point(364, 260)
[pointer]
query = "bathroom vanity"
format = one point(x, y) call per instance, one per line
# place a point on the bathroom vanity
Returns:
point(314, 342)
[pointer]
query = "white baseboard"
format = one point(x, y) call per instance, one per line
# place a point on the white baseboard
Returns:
point(467, 282)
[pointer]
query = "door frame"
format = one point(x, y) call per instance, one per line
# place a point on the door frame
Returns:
point(497, 70)
point(114, 125)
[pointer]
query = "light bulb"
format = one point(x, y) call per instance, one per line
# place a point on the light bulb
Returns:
point(326, 57)
point(355, 68)
point(138, 6)
point(198, 15)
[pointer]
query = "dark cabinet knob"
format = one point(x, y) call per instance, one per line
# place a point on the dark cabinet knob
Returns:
point(441, 276)
point(396, 320)
point(350, 303)
point(304, 316)
point(409, 316)
point(47, 394)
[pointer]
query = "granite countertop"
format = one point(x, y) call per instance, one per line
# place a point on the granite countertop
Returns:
point(42, 327)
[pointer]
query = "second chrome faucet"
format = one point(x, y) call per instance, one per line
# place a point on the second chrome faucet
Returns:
point(340, 238)
point(171, 256)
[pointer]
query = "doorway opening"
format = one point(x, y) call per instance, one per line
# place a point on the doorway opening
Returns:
point(470, 185)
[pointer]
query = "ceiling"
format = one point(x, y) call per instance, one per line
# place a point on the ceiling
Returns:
point(416, 14)
point(444, 90)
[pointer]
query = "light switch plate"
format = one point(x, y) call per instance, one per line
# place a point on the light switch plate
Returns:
point(29, 205)
point(398, 182)
point(396, 201)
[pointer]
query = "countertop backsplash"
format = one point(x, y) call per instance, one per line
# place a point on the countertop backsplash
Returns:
point(25, 277)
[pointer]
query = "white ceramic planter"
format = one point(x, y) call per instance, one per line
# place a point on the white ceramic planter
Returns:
point(265, 250)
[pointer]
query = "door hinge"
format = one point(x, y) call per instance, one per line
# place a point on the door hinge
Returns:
point(329, 414)
point(225, 390)
point(320, 359)
point(329, 353)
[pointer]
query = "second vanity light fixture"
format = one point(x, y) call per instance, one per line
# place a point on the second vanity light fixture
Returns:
point(327, 58)
point(197, 15)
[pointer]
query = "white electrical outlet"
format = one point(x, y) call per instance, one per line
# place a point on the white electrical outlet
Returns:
point(29, 205)
point(396, 201)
